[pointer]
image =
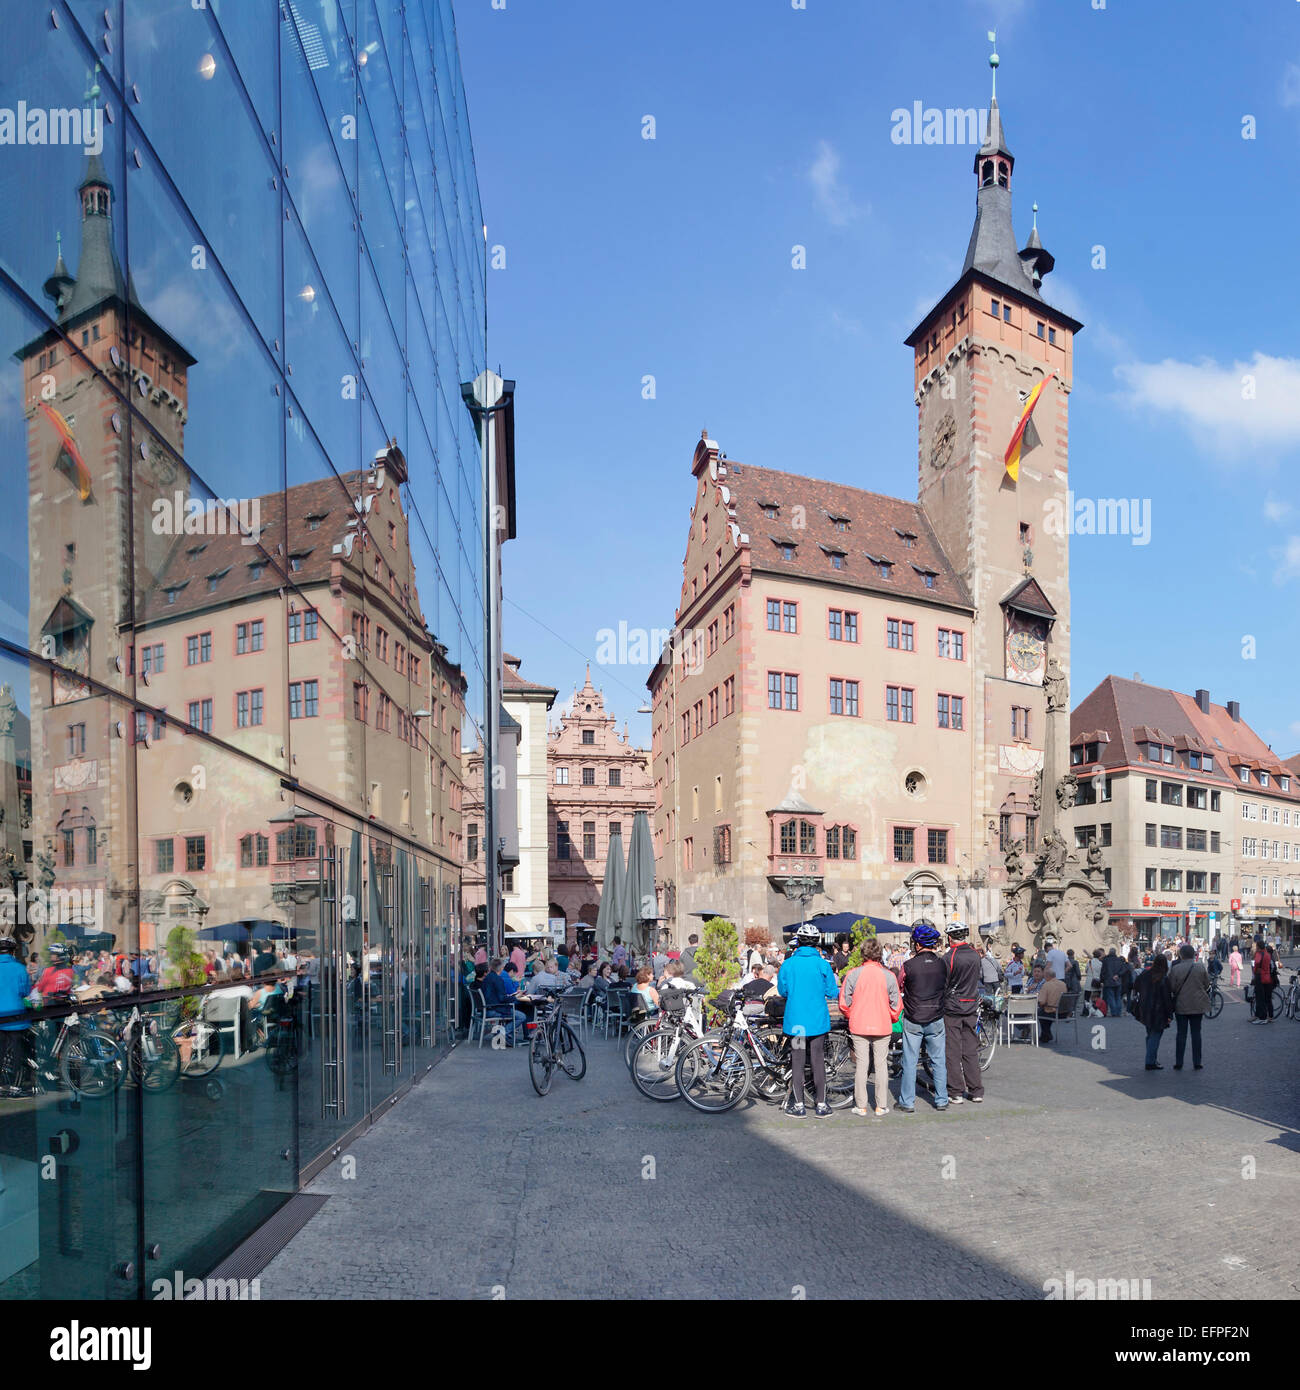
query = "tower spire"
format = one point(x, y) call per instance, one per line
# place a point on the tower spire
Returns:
point(994, 60)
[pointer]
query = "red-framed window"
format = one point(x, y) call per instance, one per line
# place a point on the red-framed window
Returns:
point(783, 690)
point(841, 842)
point(952, 644)
point(844, 696)
point(250, 636)
point(900, 704)
point(900, 634)
point(198, 648)
point(782, 615)
point(841, 625)
point(728, 696)
point(950, 711)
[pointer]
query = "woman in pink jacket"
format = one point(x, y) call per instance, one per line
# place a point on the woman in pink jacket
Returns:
point(1234, 966)
point(870, 1000)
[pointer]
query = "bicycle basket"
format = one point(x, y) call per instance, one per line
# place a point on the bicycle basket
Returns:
point(674, 1002)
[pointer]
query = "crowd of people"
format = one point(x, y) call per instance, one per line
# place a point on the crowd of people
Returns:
point(921, 987)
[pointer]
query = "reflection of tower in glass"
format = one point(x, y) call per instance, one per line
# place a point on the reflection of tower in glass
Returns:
point(93, 474)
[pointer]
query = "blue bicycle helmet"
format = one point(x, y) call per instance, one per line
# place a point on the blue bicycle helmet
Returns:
point(924, 936)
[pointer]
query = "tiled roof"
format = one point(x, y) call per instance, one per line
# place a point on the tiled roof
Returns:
point(326, 502)
point(876, 530)
point(512, 681)
point(1135, 714)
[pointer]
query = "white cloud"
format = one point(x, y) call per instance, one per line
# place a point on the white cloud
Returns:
point(832, 197)
point(1245, 405)
point(1291, 85)
point(1275, 510)
point(1289, 560)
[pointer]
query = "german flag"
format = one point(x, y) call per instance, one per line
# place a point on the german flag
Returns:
point(69, 460)
point(1025, 437)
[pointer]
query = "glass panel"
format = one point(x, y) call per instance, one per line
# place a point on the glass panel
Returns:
point(182, 100)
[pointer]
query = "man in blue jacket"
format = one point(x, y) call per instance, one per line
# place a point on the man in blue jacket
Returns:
point(806, 981)
point(15, 984)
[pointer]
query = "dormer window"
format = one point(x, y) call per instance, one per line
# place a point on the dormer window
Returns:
point(215, 579)
point(256, 568)
point(841, 523)
point(196, 550)
point(785, 549)
point(1244, 774)
point(1284, 783)
point(1263, 779)
point(295, 560)
point(836, 559)
point(907, 537)
point(314, 520)
point(770, 510)
point(929, 576)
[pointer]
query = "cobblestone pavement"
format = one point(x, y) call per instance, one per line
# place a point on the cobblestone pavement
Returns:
point(1079, 1160)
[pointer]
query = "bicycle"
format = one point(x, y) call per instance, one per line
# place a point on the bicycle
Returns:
point(1289, 998)
point(653, 1064)
point(1276, 1002)
point(716, 1072)
point(554, 1044)
point(153, 1058)
point(1216, 1000)
point(81, 1056)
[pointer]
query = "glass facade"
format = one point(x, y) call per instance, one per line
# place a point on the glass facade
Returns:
point(242, 607)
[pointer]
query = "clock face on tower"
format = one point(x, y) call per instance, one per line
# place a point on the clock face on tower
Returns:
point(1026, 647)
point(943, 441)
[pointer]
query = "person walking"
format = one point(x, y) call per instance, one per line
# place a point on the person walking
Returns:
point(1112, 980)
point(14, 985)
point(960, 1003)
point(1263, 976)
point(806, 981)
point(871, 1001)
point(1234, 964)
point(1155, 1006)
point(1189, 987)
point(924, 981)
point(1092, 980)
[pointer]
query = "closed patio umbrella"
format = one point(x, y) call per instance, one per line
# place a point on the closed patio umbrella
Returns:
point(609, 918)
point(638, 901)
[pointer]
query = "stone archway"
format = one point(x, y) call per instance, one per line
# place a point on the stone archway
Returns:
point(924, 895)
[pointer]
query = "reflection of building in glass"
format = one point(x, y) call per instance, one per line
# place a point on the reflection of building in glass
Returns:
point(242, 605)
point(89, 509)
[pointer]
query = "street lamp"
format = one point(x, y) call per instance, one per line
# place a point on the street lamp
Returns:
point(1292, 900)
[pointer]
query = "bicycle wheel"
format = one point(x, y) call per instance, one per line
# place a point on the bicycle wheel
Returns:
point(92, 1064)
point(569, 1056)
point(654, 1065)
point(205, 1051)
point(986, 1040)
point(541, 1061)
point(1276, 1005)
point(841, 1068)
point(713, 1076)
point(635, 1037)
point(156, 1063)
point(1216, 1002)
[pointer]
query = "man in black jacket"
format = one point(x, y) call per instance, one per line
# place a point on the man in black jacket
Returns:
point(960, 1002)
point(1112, 980)
point(924, 982)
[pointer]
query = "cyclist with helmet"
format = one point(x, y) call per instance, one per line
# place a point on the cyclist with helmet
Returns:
point(961, 1001)
point(58, 977)
point(806, 981)
point(14, 985)
point(925, 982)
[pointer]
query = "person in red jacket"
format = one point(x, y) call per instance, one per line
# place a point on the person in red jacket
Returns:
point(870, 1000)
point(57, 977)
point(1263, 970)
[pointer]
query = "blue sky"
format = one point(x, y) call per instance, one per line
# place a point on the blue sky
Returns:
point(671, 257)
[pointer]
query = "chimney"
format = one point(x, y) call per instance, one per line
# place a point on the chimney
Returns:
point(1234, 711)
point(1203, 701)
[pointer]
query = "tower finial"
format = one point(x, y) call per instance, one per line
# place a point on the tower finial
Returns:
point(993, 60)
point(1035, 217)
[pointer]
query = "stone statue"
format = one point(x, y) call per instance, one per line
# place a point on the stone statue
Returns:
point(1094, 855)
point(1053, 854)
point(1014, 861)
point(1056, 688)
point(45, 867)
point(1067, 789)
point(1036, 796)
point(8, 709)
